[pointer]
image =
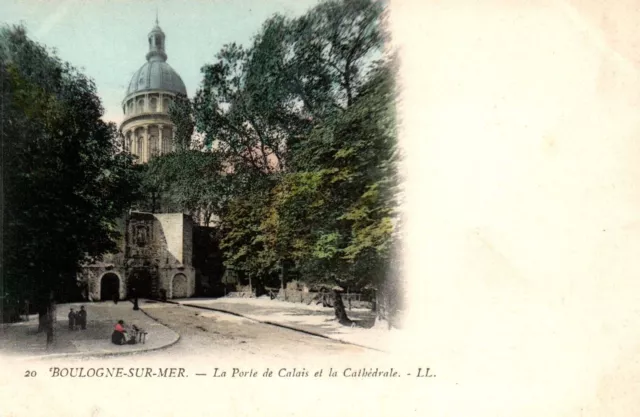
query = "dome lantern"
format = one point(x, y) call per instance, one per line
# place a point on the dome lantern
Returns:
point(156, 44)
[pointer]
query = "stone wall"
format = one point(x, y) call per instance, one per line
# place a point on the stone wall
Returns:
point(307, 297)
point(296, 296)
point(142, 239)
point(158, 244)
point(117, 259)
point(92, 276)
point(167, 276)
point(172, 226)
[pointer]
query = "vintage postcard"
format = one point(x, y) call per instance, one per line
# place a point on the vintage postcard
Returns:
point(319, 207)
point(199, 196)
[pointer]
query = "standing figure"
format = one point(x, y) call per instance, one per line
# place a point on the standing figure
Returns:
point(26, 309)
point(72, 319)
point(82, 318)
point(134, 293)
point(115, 298)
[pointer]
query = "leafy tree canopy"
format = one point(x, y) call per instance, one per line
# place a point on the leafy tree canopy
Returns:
point(315, 93)
point(64, 182)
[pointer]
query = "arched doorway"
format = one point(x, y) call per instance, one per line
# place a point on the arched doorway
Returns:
point(140, 283)
point(109, 286)
point(179, 286)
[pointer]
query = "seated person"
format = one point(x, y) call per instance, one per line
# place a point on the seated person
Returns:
point(120, 335)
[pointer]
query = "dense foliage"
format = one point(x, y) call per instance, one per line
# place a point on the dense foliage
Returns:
point(300, 160)
point(64, 183)
point(181, 112)
point(187, 181)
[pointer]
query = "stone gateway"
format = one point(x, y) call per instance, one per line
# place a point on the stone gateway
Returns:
point(155, 253)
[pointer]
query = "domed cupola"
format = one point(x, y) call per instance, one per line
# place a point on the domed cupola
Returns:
point(147, 128)
point(156, 74)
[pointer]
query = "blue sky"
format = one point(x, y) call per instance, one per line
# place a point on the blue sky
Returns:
point(107, 39)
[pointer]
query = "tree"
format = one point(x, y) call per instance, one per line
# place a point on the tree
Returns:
point(340, 204)
point(181, 113)
point(245, 250)
point(65, 184)
point(189, 181)
point(227, 113)
point(334, 42)
point(258, 102)
point(304, 119)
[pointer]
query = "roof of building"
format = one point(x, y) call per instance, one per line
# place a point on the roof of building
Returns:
point(156, 73)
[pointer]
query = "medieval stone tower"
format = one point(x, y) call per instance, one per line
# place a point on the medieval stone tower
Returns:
point(147, 128)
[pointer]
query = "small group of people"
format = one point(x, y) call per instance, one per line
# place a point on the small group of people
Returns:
point(120, 336)
point(78, 319)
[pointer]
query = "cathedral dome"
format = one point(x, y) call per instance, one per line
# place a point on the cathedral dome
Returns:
point(147, 129)
point(156, 74)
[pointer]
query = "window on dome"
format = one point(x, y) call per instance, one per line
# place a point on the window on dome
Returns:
point(140, 106)
point(153, 104)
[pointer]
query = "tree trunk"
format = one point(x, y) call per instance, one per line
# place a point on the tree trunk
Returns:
point(281, 274)
point(259, 288)
point(338, 307)
point(50, 320)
